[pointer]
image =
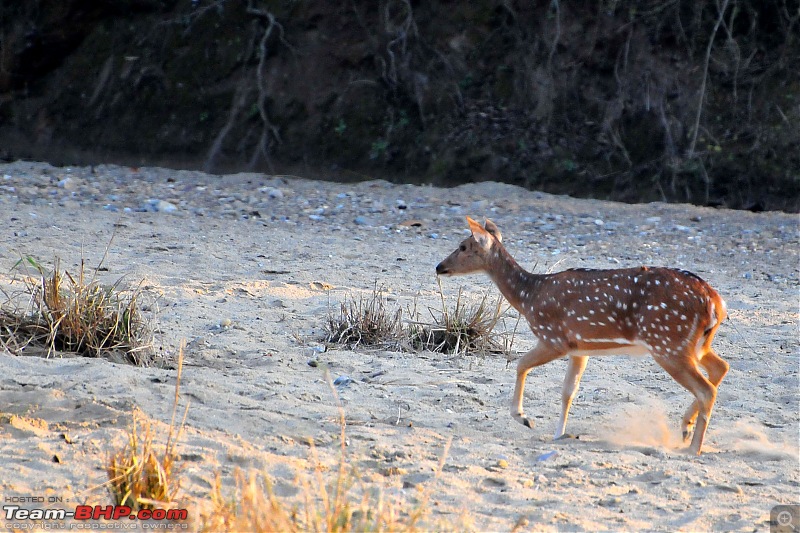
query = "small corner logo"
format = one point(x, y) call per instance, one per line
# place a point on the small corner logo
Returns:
point(784, 519)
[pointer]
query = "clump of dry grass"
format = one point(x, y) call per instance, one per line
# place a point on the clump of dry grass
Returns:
point(140, 477)
point(467, 328)
point(75, 314)
point(337, 501)
point(252, 507)
point(336, 505)
point(365, 322)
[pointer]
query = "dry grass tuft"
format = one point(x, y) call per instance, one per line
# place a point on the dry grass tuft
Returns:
point(336, 505)
point(140, 477)
point(467, 328)
point(329, 502)
point(366, 322)
point(75, 314)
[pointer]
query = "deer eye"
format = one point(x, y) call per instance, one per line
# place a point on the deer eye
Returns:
point(463, 247)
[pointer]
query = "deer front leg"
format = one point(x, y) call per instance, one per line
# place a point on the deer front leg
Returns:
point(575, 368)
point(541, 354)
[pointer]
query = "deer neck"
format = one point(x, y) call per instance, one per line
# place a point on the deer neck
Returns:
point(516, 284)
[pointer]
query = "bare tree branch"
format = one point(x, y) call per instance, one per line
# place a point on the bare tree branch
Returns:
point(696, 128)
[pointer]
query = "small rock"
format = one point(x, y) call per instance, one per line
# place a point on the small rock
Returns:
point(522, 523)
point(548, 455)
point(273, 192)
point(198, 341)
point(502, 463)
point(598, 222)
point(343, 381)
point(736, 489)
point(361, 221)
point(313, 350)
point(225, 323)
point(162, 206)
point(609, 502)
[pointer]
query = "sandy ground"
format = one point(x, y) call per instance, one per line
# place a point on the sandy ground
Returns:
point(255, 400)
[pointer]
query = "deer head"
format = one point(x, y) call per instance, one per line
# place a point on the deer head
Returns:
point(473, 254)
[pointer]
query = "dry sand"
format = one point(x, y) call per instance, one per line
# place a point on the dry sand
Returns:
point(274, 255)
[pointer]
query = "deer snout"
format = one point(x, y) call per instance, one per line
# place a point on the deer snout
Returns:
point(441, 270)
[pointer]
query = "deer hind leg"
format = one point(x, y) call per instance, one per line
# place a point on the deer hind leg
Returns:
point(684, 370)
point(716, 368)
point(575, 368)
point(538, 356)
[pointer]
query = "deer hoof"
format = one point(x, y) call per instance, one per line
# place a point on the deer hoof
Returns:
point(568, 436)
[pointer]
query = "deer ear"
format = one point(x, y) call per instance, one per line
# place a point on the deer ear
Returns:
point(481, 236)
point(492, 228)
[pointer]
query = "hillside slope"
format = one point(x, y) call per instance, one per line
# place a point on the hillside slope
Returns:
point(629, 100)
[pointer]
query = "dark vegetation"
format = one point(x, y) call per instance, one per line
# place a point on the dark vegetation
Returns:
point(633, 100)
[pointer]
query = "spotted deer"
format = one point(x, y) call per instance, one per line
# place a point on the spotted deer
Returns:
point(670, 314)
